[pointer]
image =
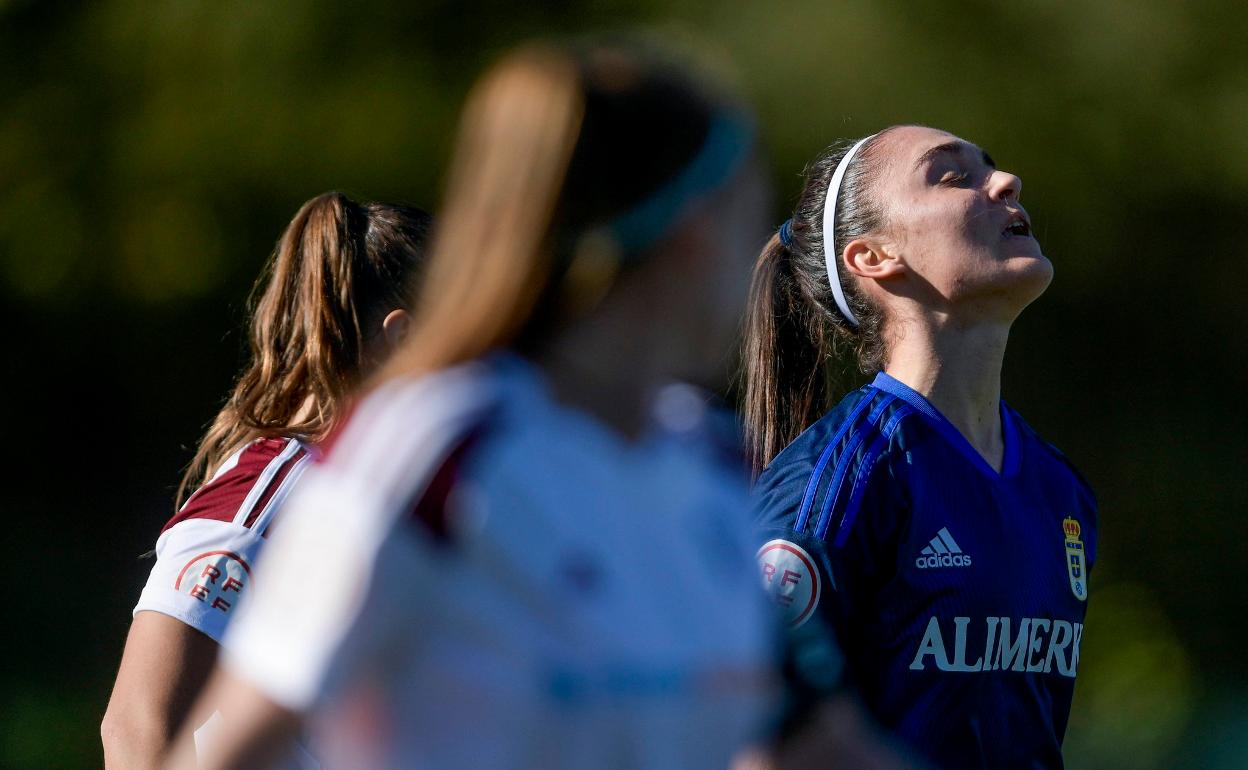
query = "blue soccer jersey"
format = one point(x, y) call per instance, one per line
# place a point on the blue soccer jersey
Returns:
point(958, 592)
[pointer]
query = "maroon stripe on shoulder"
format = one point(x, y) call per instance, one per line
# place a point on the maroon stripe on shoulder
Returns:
point(220, 499)
point(430, 511)
point(274, 485)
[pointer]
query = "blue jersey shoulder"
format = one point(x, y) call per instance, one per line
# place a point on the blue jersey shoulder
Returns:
point(1053, 453)
point(816, 485)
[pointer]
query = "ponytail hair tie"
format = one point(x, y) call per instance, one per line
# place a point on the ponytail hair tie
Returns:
point(786, 233)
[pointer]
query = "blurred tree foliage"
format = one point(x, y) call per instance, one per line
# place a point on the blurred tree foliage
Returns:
point(151, 152)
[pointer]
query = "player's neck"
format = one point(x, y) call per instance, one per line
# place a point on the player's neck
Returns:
point(957, 369)
point(615, 358)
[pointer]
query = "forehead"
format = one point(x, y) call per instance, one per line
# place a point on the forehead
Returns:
point(903, 146)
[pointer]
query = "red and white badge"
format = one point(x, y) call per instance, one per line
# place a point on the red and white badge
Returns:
point(216, 578)
point(791, 579)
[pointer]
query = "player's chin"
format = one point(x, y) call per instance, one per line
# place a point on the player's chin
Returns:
point(1028, 276)
point(1024, 255)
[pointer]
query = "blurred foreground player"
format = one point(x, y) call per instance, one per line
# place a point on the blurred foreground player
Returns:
point(943, 539)
point(507, 559)
point(331, 304)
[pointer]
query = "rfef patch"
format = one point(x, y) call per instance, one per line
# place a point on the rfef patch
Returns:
point(216, 578)
point(791, 579)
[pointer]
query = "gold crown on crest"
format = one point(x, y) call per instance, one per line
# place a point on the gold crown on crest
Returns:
point(1071, 528)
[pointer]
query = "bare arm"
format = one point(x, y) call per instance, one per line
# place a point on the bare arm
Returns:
point(163, 668)
point(254, 732)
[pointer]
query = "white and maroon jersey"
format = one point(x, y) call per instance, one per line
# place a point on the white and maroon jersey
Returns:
point(206, 553)
point(477, 576)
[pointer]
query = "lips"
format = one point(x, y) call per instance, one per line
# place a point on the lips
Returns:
point(1017, 226)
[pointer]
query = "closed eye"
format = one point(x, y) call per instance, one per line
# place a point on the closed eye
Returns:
point(952, 177)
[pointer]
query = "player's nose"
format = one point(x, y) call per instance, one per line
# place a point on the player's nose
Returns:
point(1004, 186)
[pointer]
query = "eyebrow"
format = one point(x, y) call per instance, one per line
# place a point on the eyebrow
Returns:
point(953, 148)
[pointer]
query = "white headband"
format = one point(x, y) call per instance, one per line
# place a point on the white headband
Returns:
point(829, 231)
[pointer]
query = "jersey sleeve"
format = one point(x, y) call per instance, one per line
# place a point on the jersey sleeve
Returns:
point(203, 568)
point(862, 550)
point(206, 553)
point(1085, 499)
point(822, 574)
point(832, 569)
point(1090, 507)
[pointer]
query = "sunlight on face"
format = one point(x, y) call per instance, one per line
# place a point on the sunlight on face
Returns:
point(956, 222)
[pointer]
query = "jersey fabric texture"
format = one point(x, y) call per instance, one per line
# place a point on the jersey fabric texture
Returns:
point(957, 592)
point(205, 554)
point(477, 576)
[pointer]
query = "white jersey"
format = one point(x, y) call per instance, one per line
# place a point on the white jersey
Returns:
point(479, 577)
point(205, 553)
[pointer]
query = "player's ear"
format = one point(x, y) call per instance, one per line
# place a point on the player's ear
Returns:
point(395, 326)
point(870, 258)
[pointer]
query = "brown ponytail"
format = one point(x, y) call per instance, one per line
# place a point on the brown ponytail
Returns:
point(794, 333)
point(786, 387)
point(337, 270)
point(516, 138)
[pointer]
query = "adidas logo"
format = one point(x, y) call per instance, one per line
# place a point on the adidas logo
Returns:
point(943, 551)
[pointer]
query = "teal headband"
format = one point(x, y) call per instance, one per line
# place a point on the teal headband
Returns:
point(728, 143)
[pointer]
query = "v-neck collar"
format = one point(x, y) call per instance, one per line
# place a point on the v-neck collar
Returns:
point(1009, 432)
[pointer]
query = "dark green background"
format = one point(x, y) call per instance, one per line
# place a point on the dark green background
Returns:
point(151, 153)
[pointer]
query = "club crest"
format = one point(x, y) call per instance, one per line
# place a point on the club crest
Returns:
point(1076, 560)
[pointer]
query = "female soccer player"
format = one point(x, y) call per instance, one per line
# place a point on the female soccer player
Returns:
point(333, 300)
point(943, 539)
point(506, 559)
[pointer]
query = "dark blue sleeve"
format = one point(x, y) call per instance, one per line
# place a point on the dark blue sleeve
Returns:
point(1085, 497)
point(793, 571)
point(837, 572)
point(1092, 513)
point(862, 548)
